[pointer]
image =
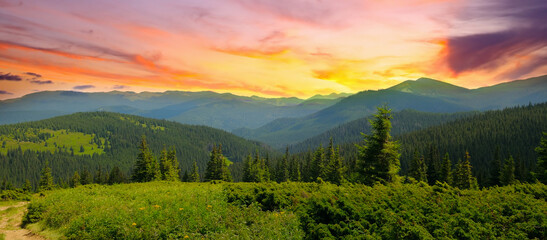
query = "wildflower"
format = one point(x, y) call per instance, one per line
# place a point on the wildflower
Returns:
point(157, 206)
point(209, 206)
point(186, 236)
point(134, 224)
point(180, 209)
point(282, 212)
point(275, 214)
point(142, 208)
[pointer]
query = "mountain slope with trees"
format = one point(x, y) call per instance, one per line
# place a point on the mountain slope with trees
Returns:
point(117, 137)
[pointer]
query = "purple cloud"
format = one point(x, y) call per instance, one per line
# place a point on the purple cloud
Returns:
point(10, 77)
point(83, 87)
point(525, 35)
point(5, 92)
point(33, 74)
point(41, 82)
point(118, 87)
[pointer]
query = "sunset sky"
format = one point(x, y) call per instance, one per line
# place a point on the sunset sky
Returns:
point(266, 47)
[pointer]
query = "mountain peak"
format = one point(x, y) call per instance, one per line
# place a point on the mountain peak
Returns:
point(428, 87)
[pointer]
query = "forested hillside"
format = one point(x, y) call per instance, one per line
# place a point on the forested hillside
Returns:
point(515, 131)
point(98, 141)
point(403, 122)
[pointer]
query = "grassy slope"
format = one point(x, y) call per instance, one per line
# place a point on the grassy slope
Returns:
point(162, 210)
point(60, 138)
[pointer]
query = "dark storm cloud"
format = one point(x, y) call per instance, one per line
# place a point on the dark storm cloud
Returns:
point(83, 87)
point(10, 77)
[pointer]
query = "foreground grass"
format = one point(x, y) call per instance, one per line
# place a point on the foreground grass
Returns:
point(158, 210)
point(163, 210)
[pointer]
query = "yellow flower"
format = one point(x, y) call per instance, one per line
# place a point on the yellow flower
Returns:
point(142, 208)
point(157, 206)
point(209, 206)
point(275, 214)
point(180, 209)
point(282, 212)
point(186, 236)
point(134, 224)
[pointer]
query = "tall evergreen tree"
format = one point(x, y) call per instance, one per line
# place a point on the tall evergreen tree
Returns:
point(194, 176)
point(379, 157)
point(75, 181)
point(317, 163)
point(173, 173)
point(116, 176)
point(418, 168)
point(433, 163)
point(465, 179)
point(46, 180)
point(217, 167)
point(247, 169)
point(335, 168)
point(282, 169)
point(86, 177)
point(507, 174)
point(541, 166)
point(146, 168)
point(446, 170)
point(495, 168)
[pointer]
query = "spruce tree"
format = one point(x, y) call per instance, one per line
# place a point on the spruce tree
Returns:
point(317, 164)
point(446, 170)
point(418, 169)
point(495, 168)
point(433, 163)
point(116, 176)
point(46, 180)
point(27, 187)
point(283, 167)
point(465, 178)
point(507, 174)
point(541, 167)
point(247, 169)
point(172, 174)
point(76, 180)
point(86, 177)
point(146, 168)
point(217, 167)
point(194, 176)
point(379, 157)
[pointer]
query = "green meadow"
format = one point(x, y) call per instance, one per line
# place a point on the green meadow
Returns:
point(174, 210)
point(50, 140)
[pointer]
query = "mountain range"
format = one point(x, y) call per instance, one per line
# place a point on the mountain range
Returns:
point(423, 94)
point(277, 121)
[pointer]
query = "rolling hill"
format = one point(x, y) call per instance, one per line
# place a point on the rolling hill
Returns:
point(101, 140)
point(424, 94)
point(225, 111)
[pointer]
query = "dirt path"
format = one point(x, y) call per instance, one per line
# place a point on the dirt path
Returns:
point(10, 223)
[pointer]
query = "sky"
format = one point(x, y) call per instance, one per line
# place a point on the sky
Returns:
point(271, 48)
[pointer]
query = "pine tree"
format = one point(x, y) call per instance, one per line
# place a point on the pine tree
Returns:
point(116, 176)
point(446, 170)
point(317, 165)
point(76, 180)
point(86, 177)
point(217, 167)
point(379, 157)
point(82, 149)
point(507, 174)
point(194, 176)
point(247, 169)
point(495, 168)
point(46, 180)
point(418, 169)
point(541, 167)
point(173, 173)
point(283, 167)
point(465, 179)
point(335, 168)
point(185, 176)
point(146, 168)
point(433, 163)
point(98, 178)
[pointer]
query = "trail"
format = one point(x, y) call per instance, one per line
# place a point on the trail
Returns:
point(10, 223)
